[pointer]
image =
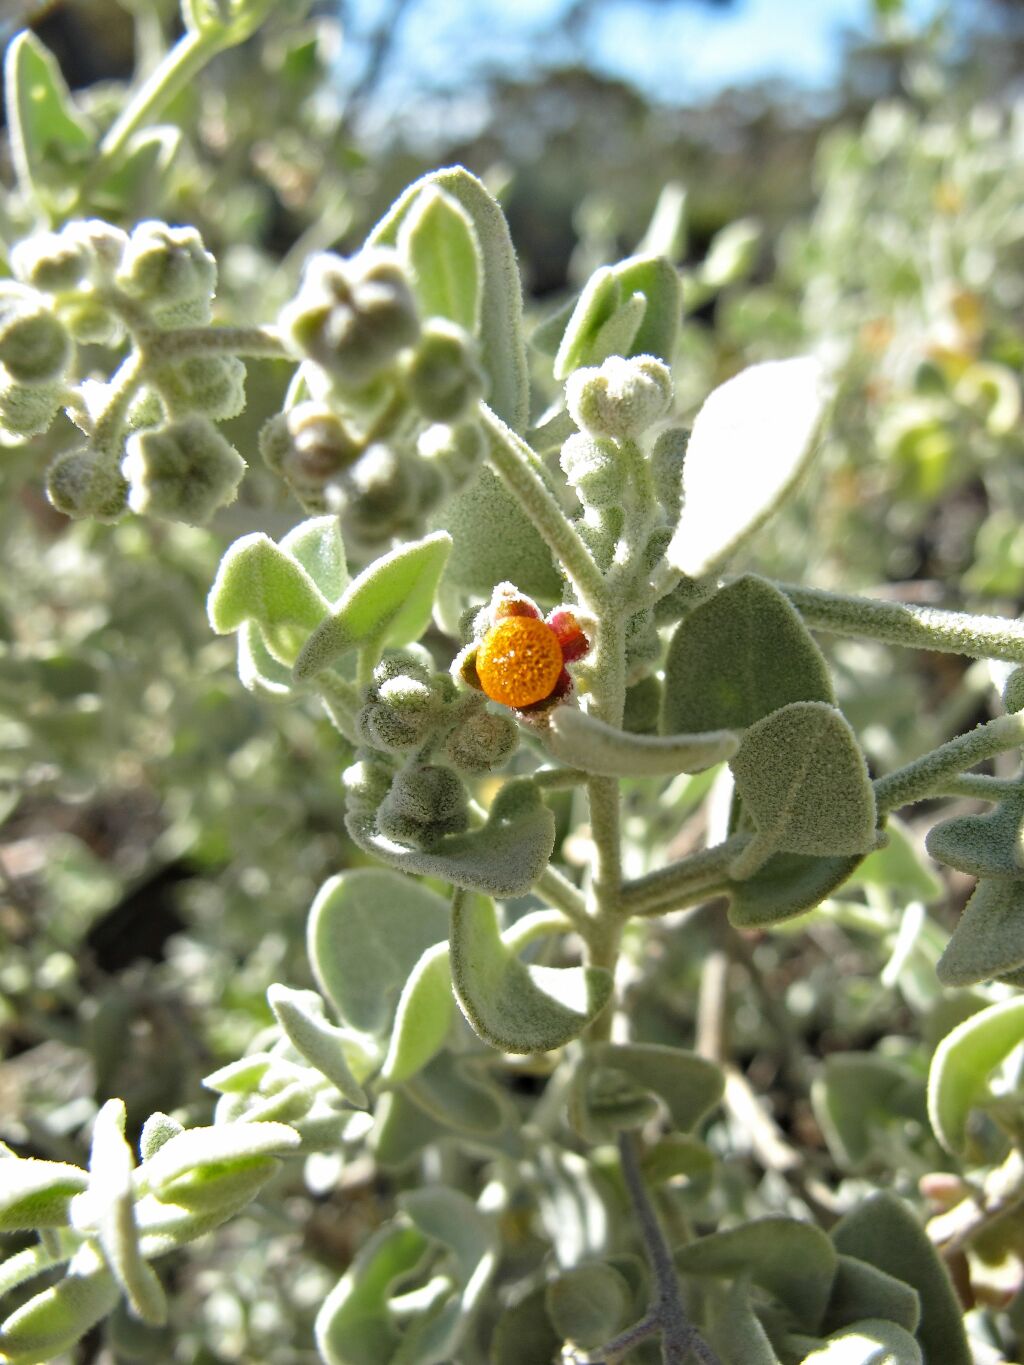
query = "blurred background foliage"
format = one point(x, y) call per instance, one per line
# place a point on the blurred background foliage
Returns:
point(162, 832)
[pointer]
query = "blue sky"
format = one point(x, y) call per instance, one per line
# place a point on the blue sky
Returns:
point(683, 51)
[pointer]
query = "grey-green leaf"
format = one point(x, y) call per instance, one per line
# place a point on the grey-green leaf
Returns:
point(53, 1320)
point(989, 845)
point(388, 604)
point(261, 582)
point(36, 1194)
point(300, 1014)
point(512, 1006)
point(988, 940)
point(883, 1231)
point(861, 1290)
point(859, 1096)
point(870, 1342)
point(49, 136)
point(737, 657)
point(750, 443)
point(787, 884)
point(366, 932)
point(803, 778)
point(502, 340)
point(962, 1067)
point(588, 1304)
point(354, 1326)
point(439, 243)
point(690, 1086)
point(585, 742)
point(424, 1015)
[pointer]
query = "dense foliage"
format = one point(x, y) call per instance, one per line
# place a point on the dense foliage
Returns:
point(510, 812)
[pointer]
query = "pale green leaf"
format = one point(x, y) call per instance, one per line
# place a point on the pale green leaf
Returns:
point(872, 1342)
point(300, 1014)
point(185, 1158)
point(750, 443)
point(883, 1231)
point(988, 940)
point(317, 545)
point(583, 741)
point(354, 1326)
point(990, 845)
point(512, 1006)
point(457, 1094)
point(803, 779)
point(259, 581)
point(366, 932)
point(423, 1018)
point(388, 604)
point(962, 1068)
point(438, 241)
point(588, 1304)
point(630, 309)
point(56, 1318)
point(36, 1194)
point(49, 137)
point(737, 657)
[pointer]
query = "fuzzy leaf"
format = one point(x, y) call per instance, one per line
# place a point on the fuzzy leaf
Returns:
point(961, 1069)
point(794, 1262)
point(588, 1304)
point(899, 867)
point(504, 858)
point(494, 542)
point(423, 1018)
point(588, 743)
point(658, 281)
point(750, 443)
point(158, 1129)
point(53, 1320)
point(606, 320)
point(367, 930)
point(319, 548)
point(258, 670)
point(261, 582)
point(453, 1092)
point(388, 604)
point(49, 137)
point(512, 1006)
point(787, 884)
point(688, 1085)
point(736, 1330)
point(300, 1014)
point(200, 1155)
point(803, 779)
point(354, 1326)
point(502, 341)
point(860, 1290)
point(988, 940)
point(883, 1231)
point(872, 1342)
point(439, 243)
point(737, 657)
point(524, 1332)
point(989, 845)
point(35, 1194)
point(147, 158)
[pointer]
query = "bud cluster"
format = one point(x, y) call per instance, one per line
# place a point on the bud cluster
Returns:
point(389, 432)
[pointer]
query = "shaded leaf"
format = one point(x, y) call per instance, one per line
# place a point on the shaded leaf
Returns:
point(524, 1333)
point(989, 845)
point(737, 657)
point(588, 1304)
point(301, 1016)
point(688, 1085)
point(736, 1331)
point(585, 742)
point(787, 884)
point(860, 1290)
point(354, 1326)
point(899, 867)
point(858, 1095)
point(988, 940)
point(454, 1093)
point(872, 1342)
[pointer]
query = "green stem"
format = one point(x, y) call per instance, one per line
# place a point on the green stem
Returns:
point(554, 779)
point(564, 896)
point(898, 623)
point(106, 436)
point(981, 787)
point(927, 776)
point(691, 879)
point(516, 464)
point(167, 347)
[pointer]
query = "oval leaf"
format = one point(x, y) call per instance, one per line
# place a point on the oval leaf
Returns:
point(423, 1017)
point(860, 1291)
point(300, 1014)
point(36, 1194)
point(48, 134)
point(690, 1086)
point(873, 1342)
point(388, 604)
point(988, 940)
point(787, 884)
point(589, 1303)
point(959, 1075)
point(54, 1320)
point(750, 443)
point(512, 1006)
point(803, 779)
point(739, 656)
point(366, 932)
point(585, 742)
point(259, 581)
point(438, 241)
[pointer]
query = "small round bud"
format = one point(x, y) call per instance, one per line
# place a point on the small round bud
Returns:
point(352, 316)
point(52, 261)
point(593, 468)
point(34, 345)
point(425, 803)
point(104, 246)
point(621, 398)
point(377, 495)
point(483, 741)
point(399, 715)
point(667, 459)
point(184, 471)
point(414, 662)
point(28, 410)
point(213, 385)
point(456, 451)
point(444, 379)
point(91, 323)
point(166, 266)
point(308, 445)
point(1013, 691)
point(82, 483)
point(366, 784)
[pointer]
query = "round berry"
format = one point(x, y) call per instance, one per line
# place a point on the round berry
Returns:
point(519, 661)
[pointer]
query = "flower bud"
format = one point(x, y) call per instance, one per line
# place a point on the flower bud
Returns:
point(667, 458)
point(167, 266)
point(27, 410)
point(83, 483)
point(621, 398)
point(456, 451)
point(52, 261)
point(398, 716)
point(352, 316)
point(444, 378)
point(92, 323)
point(426, 802)
point(484, 740)
point(184, 471)
point(308, 445)
point(103, 244)
point(213, 385)
point(366, 783)
point(34, 345)
point(378, 494)
point(594, 469)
